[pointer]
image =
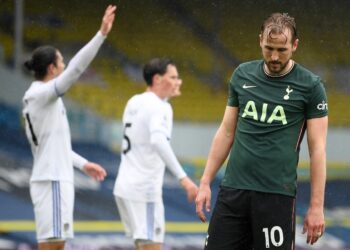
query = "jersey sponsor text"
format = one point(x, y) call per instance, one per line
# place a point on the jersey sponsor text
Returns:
point(277, 114)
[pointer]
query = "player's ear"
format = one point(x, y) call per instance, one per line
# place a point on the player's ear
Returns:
point(156, 79)
point(295, 45)
point(260, 39)
point(51, 69)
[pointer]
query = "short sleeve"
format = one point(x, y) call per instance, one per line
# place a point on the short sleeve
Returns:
point(317, 105)
point(232, 94)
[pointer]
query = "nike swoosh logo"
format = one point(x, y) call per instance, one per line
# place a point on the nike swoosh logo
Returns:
point(245, 86)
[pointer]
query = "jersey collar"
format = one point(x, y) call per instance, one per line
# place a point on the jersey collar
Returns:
point(274, 76)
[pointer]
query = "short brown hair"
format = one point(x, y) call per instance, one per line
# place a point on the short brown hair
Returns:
point(155, 66)
point(277, 22)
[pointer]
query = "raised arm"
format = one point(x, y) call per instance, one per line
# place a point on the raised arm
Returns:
point(219, 151)
point(84, 57)
point(314, 224)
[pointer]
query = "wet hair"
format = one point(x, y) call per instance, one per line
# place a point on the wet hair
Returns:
point(277, 22)
point(155, 66)
point(42, 57)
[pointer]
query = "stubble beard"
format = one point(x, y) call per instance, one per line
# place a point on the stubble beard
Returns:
point(277, 71)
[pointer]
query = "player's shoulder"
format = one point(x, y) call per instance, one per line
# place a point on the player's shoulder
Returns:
point(35, 89)
point(306, 72)
point(246, 68)
point(306, 76)
point(32, 88)
point(147, 101)
point(250, 65)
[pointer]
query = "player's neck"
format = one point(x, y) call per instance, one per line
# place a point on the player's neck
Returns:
point(47, 78)
point(285, 71)
point(157, 92)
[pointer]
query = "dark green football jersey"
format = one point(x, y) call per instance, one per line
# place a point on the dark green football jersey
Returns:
point(271, 124)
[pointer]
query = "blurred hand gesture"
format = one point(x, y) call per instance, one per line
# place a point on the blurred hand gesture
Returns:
point(108, 19)
point(314, 224)
point(190, 188)
point(203, 199)
point(95, 171)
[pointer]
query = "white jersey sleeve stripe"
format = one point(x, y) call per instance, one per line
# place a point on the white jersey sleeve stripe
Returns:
point(56, 90)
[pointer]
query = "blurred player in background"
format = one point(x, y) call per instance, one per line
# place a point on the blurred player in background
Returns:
point(148, 120)
point(270, 105)
point(47, 129)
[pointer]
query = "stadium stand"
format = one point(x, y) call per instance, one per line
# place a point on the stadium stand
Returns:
point(205, 68)
point(134, 35)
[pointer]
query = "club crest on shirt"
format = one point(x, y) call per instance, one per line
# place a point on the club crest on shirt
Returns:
point(288, 90)
point(158, 230)
point(132, 111)
point(165, 121)
point(66, 227)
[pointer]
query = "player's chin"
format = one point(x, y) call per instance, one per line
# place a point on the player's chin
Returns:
point(176, 93)
point(274, 67)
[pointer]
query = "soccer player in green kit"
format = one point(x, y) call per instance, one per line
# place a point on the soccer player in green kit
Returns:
point(271, 103)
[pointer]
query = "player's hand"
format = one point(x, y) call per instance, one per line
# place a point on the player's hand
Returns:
point(108, 19)
point(203, 199)
point(314, 224)
point(190, 188)
point(95, 171)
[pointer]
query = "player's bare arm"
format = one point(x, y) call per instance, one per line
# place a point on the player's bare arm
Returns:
point(314, 224)
point(219, 151)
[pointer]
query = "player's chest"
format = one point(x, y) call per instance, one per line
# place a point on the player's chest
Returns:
point(271, 92)
point(270, 101)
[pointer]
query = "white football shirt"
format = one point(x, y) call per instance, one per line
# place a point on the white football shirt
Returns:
point(141, 170)
point(47, 127)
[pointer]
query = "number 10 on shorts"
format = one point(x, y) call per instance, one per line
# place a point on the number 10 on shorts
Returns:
point(271, 237)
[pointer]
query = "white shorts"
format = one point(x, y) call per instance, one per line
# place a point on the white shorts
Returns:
point(53, 209)
point(142, 220)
